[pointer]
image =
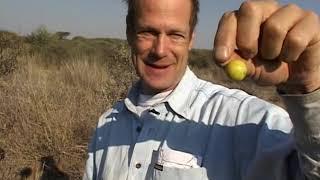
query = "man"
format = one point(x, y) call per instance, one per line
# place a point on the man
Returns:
point(173, 125)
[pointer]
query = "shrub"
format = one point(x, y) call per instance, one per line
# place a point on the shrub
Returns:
point(40, 37)
point(121, 68)
point(79, 38)
point(10, 48)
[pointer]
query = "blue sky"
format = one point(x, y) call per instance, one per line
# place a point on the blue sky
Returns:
point(105, 18)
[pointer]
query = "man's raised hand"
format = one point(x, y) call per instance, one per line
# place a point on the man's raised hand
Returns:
point(281, 44)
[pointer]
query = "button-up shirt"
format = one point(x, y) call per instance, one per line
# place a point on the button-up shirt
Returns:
point(200, 131)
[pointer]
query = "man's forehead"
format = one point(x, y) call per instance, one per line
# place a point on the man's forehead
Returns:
point(161, 5)
point(164, 12)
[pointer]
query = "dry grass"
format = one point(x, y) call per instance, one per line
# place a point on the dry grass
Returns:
point(51, 111)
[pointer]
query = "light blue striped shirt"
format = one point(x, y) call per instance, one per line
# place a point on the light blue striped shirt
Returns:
point(200, 131)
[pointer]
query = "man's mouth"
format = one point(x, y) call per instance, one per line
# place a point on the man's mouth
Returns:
point(158, 66)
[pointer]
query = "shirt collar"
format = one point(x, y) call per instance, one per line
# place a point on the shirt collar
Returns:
point(131, 101)
point(178, 100)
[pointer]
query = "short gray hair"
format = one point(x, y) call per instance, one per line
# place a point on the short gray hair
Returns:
point(131, 4)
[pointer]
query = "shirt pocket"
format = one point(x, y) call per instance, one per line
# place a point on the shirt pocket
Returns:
point(168, 173)
point(172, 164)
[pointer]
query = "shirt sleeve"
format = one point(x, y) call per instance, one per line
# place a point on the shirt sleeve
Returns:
point(304, 111)
point(90, 169)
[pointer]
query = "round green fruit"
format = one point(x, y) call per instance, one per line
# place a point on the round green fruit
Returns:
point(236, 69)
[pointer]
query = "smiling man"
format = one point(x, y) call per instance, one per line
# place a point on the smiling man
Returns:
point(173, 125)
point(161, 38)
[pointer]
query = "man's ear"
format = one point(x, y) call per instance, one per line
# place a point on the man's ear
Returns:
point(129, 37)
point(191, 40)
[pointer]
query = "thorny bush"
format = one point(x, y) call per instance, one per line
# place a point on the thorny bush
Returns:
point(11, 46)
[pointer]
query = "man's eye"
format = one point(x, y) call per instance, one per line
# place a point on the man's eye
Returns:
point(177, 36)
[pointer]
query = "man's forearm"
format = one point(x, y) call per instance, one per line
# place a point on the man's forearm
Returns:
point(304, 111)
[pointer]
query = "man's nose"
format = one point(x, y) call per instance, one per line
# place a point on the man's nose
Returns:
point(160, 46)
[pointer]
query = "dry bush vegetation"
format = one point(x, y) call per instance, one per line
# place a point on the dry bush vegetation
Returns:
point(51, 100)
point(10, 48)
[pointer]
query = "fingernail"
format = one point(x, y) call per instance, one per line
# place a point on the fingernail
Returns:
point(222, 53)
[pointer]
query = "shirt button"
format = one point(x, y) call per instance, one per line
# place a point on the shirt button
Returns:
point(138, 129)
point(138, 165)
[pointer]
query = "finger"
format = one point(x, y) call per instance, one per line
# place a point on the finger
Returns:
point(276, 28)
point(304, 73)
point(250, 17)
point(225, 38)
point(307, 68)
point(303, 34)
point(270, 72)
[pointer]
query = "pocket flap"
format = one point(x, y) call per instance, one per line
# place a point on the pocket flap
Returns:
point(178, 159)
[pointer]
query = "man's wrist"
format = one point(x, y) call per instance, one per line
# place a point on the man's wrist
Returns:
point(296, 89)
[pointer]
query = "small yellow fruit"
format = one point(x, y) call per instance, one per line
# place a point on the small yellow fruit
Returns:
point(236, 69)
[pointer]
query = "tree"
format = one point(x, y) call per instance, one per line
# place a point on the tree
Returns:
point(62, 35)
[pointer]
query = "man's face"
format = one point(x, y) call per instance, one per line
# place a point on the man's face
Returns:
point(160, 43)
